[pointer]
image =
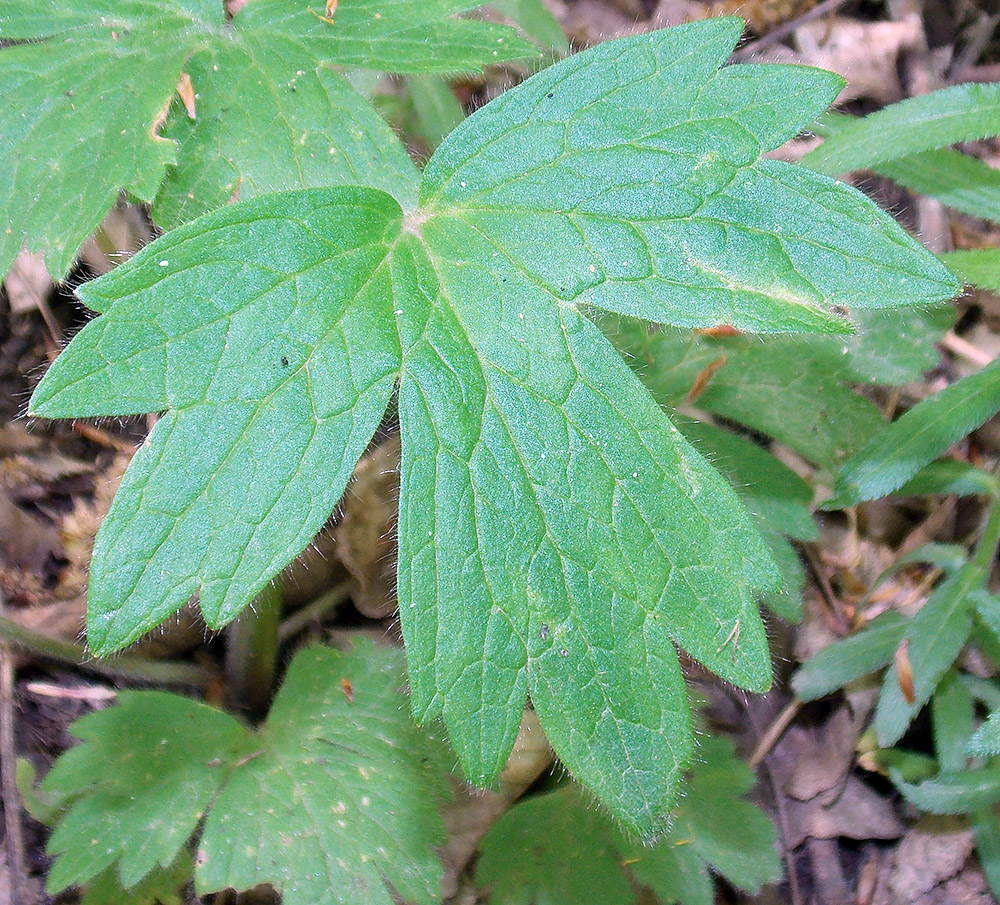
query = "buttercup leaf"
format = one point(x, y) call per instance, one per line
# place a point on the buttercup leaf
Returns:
point(557, 535)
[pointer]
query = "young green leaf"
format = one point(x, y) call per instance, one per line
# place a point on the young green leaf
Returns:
point(87, 92)
point(987, 830)
point(935, 636)
point(960, 113)
point(555, 848)
point(952, 793)
point(979, 267)
point(986, 740)
point(952, 718)
point(336, 791)
point(854, 657)
point(922, 434)
point(557, 534)
point(537, 21)
point(957, 180)
point(144, 776)
point(949, 476)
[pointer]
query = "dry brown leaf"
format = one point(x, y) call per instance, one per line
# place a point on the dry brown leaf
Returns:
point(365, 535)
point(28, 284)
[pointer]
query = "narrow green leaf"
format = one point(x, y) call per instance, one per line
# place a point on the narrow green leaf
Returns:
point(438, 110)
point(342, 789)
point(275, 373)
point(988, 608)
point(844, 661)
point(953, 719)
point(952, 793)
point(979, 267)
point(922, 434)
point(948, 558)
point(957, 180)
point(144, 775)
point(936, 635)
point(987, 829)
point(537, 21)
point(961, 113)
point(986, 740)
point(950, 476)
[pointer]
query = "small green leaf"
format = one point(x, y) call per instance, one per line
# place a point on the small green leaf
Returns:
point(936, 635)
point(552, 846)
point(144, 776)
point(438, 110)
point(555, 848)
point(987, 830)
point(342, 788)
point(979, 267)
point(952, 793)
point(986, 740)
point(537, 21)
point(950, 476)
point(922, 434)
point(952, 718)
point(844, 661)
point(337, 791)
point(957, 180)
point(961, 113)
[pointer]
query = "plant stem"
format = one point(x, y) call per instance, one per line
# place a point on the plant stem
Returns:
point(252, 651)
point(129, 668)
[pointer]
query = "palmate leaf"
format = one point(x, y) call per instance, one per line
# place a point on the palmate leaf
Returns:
point(557, 534)
point(82, 103)
point(333, 797)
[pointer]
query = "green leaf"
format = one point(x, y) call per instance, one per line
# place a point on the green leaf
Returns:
point(558, 536)
point(144, 776)
point(953, 718)
point(961, 113)
point(270, 112)
point(253, 399)
point(987, 831)
point(162, 886)
point(986, 740)
point(920, 435)
point(955, 179)
point(988, 609)
point(935, 636)
point(950, 476)
point(761, 379)
point(342, 787)
point(844, 661)
point(337, 791)
point(438, 110)
point(979, 267)
point(555, 848)
point(552, 846)
point(954, 793)
point(537, 21)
